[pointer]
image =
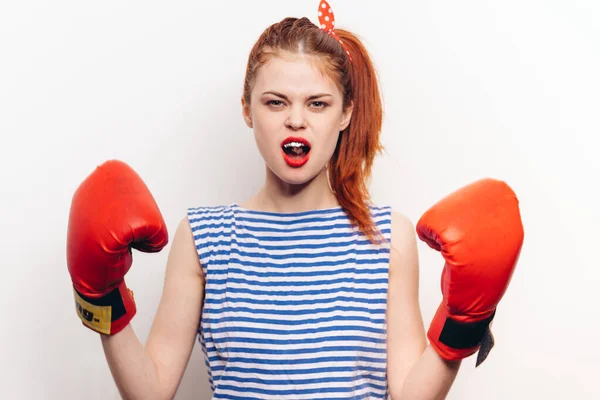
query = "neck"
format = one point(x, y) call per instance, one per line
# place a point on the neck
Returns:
point(282, 197)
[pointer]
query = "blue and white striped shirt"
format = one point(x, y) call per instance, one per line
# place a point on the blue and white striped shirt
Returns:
point(294, 304)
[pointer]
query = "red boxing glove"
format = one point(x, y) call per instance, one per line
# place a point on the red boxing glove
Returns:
point(479, 232)
point(112, 212)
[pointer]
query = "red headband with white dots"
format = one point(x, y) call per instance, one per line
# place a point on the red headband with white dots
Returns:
point(327, 22)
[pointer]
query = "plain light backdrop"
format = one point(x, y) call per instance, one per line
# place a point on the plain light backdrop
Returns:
point(506, 89)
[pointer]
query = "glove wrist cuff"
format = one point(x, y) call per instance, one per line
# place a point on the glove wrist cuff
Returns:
point(455, 338)
point(108, 313)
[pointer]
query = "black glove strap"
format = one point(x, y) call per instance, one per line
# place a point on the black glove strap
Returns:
point(461, 335)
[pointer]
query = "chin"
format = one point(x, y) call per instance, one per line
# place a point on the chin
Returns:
point(295, 176)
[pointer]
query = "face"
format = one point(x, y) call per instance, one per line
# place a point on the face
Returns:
point(296, 114)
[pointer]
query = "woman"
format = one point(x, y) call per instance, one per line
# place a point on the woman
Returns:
point(304, 291)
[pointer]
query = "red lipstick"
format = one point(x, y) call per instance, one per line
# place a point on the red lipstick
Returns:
point(295, 151)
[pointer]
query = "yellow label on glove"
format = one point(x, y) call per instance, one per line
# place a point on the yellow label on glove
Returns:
point(97, 318)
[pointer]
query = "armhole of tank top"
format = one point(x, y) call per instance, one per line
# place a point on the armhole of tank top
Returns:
point(203, 245)
point(383, 214)
point(388, 213)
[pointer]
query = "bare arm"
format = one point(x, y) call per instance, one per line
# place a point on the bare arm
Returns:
point(154, 371)
point(415, 370)
point(430, 378)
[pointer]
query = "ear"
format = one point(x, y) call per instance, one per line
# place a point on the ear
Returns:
point(346, 117)
point(246, 113)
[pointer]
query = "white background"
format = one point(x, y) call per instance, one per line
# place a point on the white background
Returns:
point(508, 89)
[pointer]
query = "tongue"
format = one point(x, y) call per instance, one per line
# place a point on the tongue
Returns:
point(298, 151)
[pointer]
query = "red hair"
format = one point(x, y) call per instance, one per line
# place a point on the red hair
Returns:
point(350, 165)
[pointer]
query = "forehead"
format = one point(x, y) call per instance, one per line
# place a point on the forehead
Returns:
point(295, 73)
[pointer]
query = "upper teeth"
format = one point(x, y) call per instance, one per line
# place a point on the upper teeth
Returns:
point(293, 144)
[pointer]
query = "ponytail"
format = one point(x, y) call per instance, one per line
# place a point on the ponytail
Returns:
point(350, 166)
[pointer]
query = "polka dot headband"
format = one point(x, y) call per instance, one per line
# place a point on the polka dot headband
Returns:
point(327, 22)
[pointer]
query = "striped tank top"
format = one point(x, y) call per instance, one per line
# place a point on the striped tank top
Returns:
point(294, 304)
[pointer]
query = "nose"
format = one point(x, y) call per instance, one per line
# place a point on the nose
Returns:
point(296, 119)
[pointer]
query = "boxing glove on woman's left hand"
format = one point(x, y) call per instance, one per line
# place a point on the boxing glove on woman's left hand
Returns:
point(479, 232)
point(112, 211)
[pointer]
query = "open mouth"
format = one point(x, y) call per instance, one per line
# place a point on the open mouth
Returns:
point(295, 151)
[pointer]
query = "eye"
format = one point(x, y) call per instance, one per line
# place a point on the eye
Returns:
point(319, 104)
point(275, 103)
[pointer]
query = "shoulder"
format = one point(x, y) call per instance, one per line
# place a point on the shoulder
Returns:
point(401, 225)
point(183, 258)
point(403, 247)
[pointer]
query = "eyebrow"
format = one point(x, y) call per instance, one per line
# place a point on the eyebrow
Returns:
point(283, 96)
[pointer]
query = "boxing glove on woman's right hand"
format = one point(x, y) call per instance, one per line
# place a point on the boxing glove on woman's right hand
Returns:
point(112, 211)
